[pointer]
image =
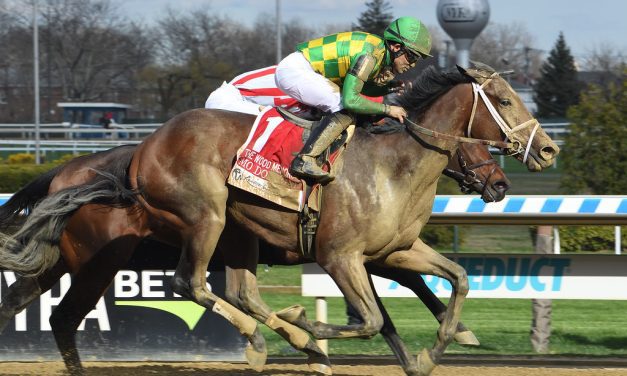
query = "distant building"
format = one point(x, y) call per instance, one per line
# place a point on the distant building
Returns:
point(90, 113)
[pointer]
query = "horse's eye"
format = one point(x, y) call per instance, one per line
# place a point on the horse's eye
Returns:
point(505, 102)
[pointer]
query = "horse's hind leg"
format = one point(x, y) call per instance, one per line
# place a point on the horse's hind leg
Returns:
point(88, 285)
point(25, 290)
point(199, 243)
point(415, 283)
point(241, 254)
point(424, 260)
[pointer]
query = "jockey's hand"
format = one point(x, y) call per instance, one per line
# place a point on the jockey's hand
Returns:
point(397, 112)
point(400, 86)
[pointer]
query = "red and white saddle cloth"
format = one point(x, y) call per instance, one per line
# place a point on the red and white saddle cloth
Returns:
point(262, 163)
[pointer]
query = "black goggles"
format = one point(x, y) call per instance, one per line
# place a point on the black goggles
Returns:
point(411, 57)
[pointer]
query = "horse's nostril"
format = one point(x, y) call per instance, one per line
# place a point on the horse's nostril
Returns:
point(549, 152)
point(501, 186)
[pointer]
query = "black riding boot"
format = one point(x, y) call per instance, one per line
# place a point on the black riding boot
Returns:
point(305, 165)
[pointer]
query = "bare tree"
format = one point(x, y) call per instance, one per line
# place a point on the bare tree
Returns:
point(605, 57)
point(196, 51)
point(506, 47)
point(92, 51)
point(16, 64)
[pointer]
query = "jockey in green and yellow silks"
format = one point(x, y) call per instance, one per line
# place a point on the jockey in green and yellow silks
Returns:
point(331, 72)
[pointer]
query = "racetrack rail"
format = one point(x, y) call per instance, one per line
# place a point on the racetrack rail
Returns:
point(544, 361)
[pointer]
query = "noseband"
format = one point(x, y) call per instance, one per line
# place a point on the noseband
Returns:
point(468, 177)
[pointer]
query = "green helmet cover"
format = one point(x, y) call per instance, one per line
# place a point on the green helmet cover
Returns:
point(411, 33)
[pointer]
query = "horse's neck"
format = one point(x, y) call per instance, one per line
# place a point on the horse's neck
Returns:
point(448, 115)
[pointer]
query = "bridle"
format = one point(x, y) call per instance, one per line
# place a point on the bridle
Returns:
point(512, 148)
point(467, 177)
point(477, 91)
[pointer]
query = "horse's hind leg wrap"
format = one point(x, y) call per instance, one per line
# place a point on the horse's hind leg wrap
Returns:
point(296, 337)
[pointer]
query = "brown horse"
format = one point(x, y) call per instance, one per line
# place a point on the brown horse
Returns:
point(473, 169)
point(372, 212)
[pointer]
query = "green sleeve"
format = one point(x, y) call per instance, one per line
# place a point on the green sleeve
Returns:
point(352, 101)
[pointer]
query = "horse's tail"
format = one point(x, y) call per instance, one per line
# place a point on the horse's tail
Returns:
point(26, 198)
point(35, 247)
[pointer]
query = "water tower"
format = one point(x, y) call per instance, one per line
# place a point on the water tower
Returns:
point(463, 20)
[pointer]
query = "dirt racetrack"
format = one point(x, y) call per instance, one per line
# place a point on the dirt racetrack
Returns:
point(224, 369)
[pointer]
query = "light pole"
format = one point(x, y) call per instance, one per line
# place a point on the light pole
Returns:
point(36, 79)
point(278, 31)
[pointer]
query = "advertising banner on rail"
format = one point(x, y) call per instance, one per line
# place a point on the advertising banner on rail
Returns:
point(139, 318)
point(507, 276)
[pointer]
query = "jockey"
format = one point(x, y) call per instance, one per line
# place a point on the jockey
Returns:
point(329, 73)
point(251, 92)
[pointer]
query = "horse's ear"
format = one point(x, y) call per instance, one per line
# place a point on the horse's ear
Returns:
point(482, 67)
point(468, 73)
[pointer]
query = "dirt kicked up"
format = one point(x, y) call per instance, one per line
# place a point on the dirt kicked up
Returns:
point(230, 369)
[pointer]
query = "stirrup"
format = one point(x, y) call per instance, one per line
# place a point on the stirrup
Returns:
point(309, 170)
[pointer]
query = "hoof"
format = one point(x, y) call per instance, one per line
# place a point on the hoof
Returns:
point(320, 364)
point(425, 364)
point(256, 359)
point(292, 314)
point(466, 338)
point(317, 360)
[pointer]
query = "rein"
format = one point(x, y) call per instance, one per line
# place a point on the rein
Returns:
point(420, 129)
point(478, 92)
point(468, 177)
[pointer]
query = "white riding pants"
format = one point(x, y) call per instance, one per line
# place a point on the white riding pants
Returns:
point(227, 97)
point(295, 76)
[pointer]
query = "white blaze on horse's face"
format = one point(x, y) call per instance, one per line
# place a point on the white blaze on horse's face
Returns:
point(532, 145)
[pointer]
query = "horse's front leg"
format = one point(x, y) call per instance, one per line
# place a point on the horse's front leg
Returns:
point(389, 333)
point(424, 260)
point(414, 282)
point(349, 274)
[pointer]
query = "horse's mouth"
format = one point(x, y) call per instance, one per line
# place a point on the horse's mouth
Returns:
point(535, 163)
point(492, 195)
point(488, 197)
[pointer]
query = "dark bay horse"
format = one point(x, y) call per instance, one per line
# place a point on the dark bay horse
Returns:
point(473, 168)
point(372, 213)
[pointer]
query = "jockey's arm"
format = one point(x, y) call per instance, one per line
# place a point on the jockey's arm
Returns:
point(358, 73)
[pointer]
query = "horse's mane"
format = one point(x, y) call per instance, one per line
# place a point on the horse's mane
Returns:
point(429, 86)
